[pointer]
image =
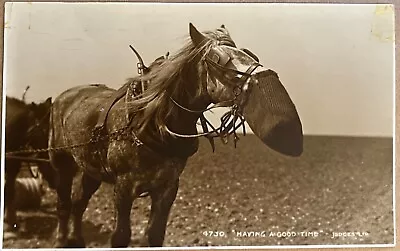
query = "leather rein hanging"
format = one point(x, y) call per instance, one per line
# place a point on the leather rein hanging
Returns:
point(216, 62)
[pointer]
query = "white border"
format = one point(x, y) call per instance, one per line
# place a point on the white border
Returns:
point(213, 247)
point(394, 129)
point(202, 247)
point(3, 122)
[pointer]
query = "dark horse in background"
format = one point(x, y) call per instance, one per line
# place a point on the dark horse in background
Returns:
point(147, 139)
point(27, 126)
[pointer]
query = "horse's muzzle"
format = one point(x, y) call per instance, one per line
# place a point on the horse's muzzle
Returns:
point(272, 116)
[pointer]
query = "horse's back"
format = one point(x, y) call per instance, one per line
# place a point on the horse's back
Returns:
point(80, 95)
point(76, 109)
point(81, 98)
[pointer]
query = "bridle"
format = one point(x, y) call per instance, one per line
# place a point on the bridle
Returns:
point(216, 66)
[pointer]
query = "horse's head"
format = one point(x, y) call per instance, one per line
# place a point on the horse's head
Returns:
point(42, 109)
point(235, 78)
point(38, 135)
point(39, 123)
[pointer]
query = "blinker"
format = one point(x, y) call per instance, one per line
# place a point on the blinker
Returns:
point(219, 56)
point(215, 58)
point(251, 54)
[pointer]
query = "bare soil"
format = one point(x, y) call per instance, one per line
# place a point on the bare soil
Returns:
point(253, 196)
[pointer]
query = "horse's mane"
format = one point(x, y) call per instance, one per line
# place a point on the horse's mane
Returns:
point(167, 79)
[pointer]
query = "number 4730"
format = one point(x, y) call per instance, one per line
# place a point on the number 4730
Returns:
point(214, 233)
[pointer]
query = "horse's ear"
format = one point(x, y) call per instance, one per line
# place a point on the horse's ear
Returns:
point(197, 37)
point(224, 29)
point(48, 101)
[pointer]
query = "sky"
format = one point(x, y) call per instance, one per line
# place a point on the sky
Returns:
point(336, 61)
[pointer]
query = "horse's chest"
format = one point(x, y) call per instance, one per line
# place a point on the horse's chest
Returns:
point(155, 175)
point(147, 168)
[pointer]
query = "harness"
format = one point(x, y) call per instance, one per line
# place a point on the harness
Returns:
point(216, 62)
point(99, 129)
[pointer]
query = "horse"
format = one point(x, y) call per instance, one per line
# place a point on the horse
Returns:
point(146, 139)
point(27, 126)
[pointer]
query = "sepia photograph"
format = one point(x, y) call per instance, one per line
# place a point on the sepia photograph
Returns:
point(201, 125)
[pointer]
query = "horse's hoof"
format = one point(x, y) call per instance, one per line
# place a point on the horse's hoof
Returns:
point(120, 241)
point(60, 244)
point(76, 243)
point(142, 242)
point(139, 242)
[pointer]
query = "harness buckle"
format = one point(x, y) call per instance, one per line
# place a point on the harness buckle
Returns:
point(140, 68)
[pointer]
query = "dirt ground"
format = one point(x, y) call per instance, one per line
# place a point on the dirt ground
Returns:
point(254, 196)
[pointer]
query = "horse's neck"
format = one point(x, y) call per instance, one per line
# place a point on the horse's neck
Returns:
point(184, 121)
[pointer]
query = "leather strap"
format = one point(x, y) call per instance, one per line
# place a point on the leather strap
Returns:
point(106, 107)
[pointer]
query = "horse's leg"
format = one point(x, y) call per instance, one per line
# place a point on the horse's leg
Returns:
point(10, 217)
point(65, 173)
point(123, 198)
point(161, 202)
point(85, 189)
